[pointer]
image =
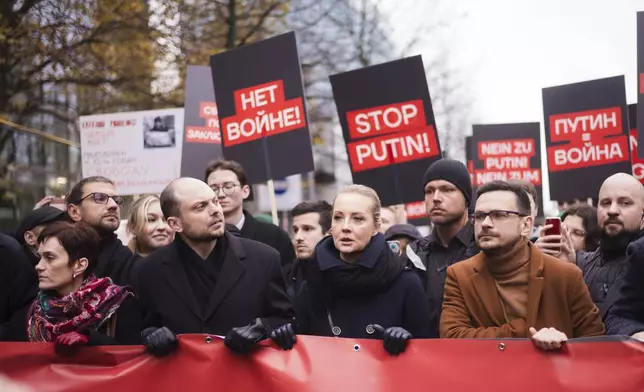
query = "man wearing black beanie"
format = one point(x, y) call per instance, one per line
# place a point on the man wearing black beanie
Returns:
point(448, 196)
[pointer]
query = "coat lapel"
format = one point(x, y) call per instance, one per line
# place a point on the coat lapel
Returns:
point(175, 274)
point(535, 286)
point(487, 294)
point(250, 226)
point(231, 271)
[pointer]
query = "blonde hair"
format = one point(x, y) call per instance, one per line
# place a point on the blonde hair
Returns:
point(137, 218)
point(367, 192)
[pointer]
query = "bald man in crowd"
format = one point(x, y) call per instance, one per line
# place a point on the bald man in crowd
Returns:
point(208, 280)
point(619, 213)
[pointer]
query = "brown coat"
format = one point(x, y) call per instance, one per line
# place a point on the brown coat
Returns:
point(557, 298)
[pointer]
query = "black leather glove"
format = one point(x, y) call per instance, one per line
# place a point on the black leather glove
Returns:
point(284, 336)
point(243, 340)
point(394, 338)
point(159, 342)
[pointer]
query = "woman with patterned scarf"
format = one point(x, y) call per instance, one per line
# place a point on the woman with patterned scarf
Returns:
point(74, 307)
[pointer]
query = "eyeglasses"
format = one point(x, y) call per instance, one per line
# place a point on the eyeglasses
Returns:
point(228, 188)
point(103, 198)
point(495, 215)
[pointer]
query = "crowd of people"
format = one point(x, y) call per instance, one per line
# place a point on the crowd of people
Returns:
point(197, 262)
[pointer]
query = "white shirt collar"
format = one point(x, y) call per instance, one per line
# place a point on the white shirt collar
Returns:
point(240, 224)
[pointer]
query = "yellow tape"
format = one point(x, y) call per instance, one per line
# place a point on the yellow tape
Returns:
point(36, 132)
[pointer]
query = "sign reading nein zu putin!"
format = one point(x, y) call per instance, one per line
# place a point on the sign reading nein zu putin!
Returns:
point(507, 152)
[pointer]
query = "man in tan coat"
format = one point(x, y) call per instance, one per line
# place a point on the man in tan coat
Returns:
point(511, 289)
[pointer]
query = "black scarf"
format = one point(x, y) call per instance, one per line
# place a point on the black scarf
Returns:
point(202, 274)
point(356, 279)
point(115, 261)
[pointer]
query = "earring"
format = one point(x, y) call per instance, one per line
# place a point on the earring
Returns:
point(74, 276)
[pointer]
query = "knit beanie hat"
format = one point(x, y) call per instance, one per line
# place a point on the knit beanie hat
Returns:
point(451, 171)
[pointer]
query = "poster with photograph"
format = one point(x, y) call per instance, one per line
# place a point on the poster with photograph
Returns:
point(139, 151)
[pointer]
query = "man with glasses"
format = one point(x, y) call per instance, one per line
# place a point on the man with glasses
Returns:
point(228, 180)
point(511, 289)
point(94, 201)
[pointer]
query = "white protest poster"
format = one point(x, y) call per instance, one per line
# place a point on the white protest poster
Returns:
point(139, 151)
point(288, 193)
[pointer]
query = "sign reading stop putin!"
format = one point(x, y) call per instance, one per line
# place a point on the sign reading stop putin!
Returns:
point(586, 136)
point(261, 108)
point(388, 126)
point(507, 152)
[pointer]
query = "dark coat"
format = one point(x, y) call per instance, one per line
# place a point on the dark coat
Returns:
point(18, 283)
point(603, 273)
point(250, 285)
point(430, 261)
point(400, 304)
point(626, 316)
point(126, 324)
point(116, 261)
point(270, 235)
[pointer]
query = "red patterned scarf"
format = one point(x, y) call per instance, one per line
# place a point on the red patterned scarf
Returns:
point(83, 311)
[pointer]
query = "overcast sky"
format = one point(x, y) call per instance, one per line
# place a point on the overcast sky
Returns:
point(506, 51)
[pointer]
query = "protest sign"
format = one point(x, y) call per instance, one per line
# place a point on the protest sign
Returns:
point(417, 213)
point(507, 152)
point(139, 151)
point(388, 126)
point(202, 143)
point(586, 136)
point(638, 163)
point(469, 158)
point(262, 112)
point(640, 80)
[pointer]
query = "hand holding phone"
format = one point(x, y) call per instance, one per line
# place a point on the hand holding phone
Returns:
point(555, 223)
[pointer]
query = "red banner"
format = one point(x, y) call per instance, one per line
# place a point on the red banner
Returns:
point(333, 364)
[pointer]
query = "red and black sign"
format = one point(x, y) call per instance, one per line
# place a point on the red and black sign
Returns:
point(202, 139)
point(586, 136)
point(640, 80)
point(262, 110)
point(417, 213)
point(638, 163)
point(469, 157)
point(508, 152)
point(388, 126)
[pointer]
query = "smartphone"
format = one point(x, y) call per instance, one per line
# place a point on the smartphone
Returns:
point(556, 226)
point(394, 246)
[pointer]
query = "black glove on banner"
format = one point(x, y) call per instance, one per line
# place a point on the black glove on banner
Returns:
point(243, 340)
point(394, 338)
point(284, 336)
point(159, 342)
